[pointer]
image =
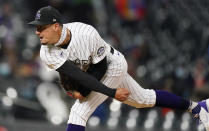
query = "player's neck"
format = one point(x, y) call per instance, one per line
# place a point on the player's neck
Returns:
point(66, 42)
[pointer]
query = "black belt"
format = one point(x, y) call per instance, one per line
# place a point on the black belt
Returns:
point(111, 49)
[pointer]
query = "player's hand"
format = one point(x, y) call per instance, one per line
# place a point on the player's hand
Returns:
point(122, 94)
point(76, 95)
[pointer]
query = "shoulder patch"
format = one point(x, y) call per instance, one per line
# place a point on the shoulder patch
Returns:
point(100, 51)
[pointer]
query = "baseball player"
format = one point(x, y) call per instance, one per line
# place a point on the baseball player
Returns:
point(91, 71)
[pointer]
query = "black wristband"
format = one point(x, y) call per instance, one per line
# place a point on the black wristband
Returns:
point(86, 80)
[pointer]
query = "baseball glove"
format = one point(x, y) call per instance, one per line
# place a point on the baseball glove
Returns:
point(70, 85)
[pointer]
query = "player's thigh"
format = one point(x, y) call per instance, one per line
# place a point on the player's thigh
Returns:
point(117, 69)
point(94, 99)
point(112, 81)
point(139, 97)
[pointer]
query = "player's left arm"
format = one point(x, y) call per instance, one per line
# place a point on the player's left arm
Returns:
point(90, 82)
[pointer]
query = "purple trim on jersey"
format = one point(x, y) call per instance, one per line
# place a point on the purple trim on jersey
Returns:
point(72, 127)
point(203, 104)
point(196, 110)
point(169, 100)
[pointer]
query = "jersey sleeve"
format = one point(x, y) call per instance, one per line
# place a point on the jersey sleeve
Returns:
point(53, 57)
point(101, 48)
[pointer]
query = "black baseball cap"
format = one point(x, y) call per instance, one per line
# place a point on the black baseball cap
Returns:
point(46, 15)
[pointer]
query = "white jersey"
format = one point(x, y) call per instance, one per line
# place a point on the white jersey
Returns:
point(86, 47)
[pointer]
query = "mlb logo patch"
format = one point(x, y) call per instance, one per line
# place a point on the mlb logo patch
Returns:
point(54, 20)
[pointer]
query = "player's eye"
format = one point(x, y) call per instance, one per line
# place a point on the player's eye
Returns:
point(39, 28)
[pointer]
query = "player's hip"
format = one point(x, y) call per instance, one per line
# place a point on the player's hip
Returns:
point(117, 64)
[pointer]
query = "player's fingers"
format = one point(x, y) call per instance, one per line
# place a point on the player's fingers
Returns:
point(128, 93)
point(120, 98)
point(125, 97)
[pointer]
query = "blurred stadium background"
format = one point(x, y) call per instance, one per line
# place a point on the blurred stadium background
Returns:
point(165, 43)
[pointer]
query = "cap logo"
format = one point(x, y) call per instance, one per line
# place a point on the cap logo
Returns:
point(38, 15)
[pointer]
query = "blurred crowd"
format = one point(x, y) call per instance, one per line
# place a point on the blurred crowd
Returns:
point(165, 42)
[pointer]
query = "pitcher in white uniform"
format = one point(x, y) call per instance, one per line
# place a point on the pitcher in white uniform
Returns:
point(72, 48)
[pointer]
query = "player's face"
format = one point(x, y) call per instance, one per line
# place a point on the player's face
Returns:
point(47, 33)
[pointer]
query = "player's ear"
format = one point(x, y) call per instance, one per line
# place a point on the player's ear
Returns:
point(56, 26)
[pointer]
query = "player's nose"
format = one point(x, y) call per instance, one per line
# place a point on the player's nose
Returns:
point(37, 33)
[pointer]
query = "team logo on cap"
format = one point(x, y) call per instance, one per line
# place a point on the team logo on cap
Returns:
point(38, 15)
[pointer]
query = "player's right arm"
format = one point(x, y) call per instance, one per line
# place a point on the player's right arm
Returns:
point(91, 83)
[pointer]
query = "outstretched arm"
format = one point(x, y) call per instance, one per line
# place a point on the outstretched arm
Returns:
point(90, 82)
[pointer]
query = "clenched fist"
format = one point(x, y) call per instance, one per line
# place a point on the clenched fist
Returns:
point(122, 94)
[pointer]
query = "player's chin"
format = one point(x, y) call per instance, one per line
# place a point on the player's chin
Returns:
point(43, 42)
